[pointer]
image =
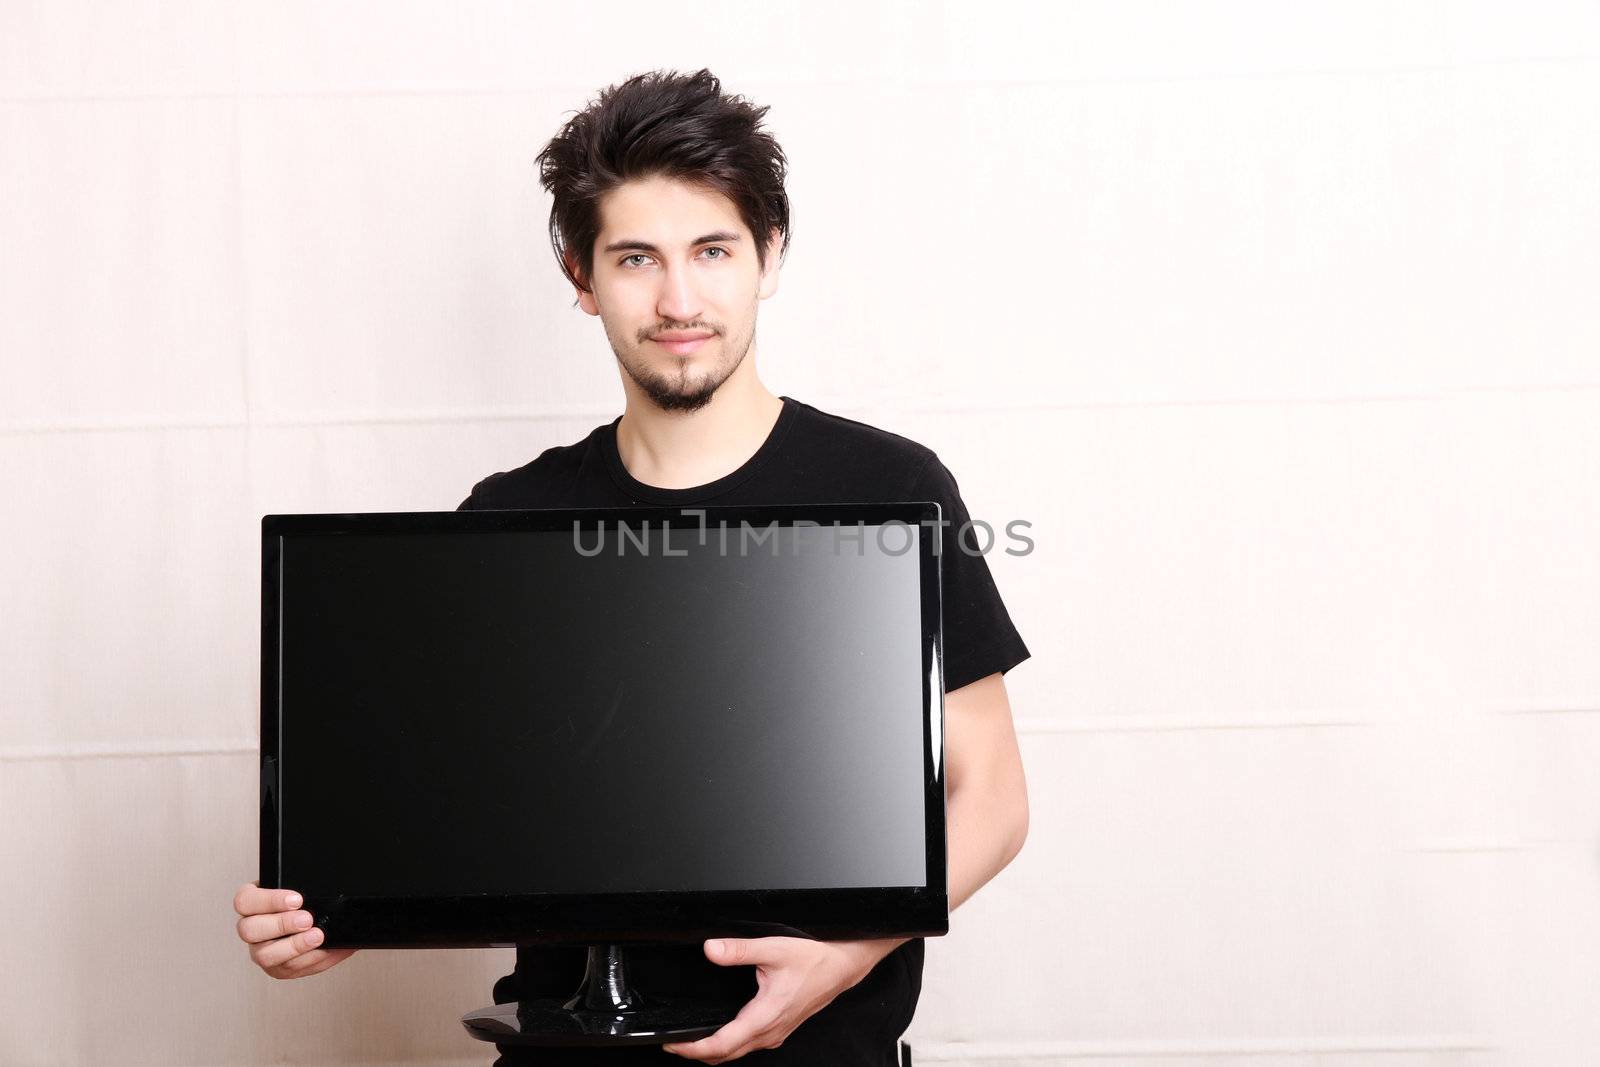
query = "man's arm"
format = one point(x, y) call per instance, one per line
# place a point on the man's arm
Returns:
point(986, 793)
point(986, 810)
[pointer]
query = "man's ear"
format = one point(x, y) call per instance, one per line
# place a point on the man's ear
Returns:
point(586, 300)
point(769, 272)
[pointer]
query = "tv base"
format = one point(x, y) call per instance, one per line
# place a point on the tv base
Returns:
point(606, 1010)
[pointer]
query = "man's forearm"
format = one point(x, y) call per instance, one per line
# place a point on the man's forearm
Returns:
point(987, 825)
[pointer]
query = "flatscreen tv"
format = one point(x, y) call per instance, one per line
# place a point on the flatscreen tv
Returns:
point(604, 726)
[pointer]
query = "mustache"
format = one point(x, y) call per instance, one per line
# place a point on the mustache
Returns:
point(656, 331)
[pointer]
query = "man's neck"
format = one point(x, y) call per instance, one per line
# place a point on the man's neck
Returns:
point(680, 450)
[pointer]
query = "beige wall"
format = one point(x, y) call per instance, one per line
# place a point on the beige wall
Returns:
point(1276, 322)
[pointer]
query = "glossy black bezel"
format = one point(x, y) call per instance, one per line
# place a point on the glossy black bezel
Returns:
point(499, 920)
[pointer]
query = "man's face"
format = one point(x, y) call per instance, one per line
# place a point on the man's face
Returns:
point(676, 285)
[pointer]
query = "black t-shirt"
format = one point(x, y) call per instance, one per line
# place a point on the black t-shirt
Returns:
point(810, 457)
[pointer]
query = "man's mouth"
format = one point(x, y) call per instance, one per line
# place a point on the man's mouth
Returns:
point(682, 343)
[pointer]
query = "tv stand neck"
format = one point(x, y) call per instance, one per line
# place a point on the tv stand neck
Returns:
point(605, 1010)
point(605, 986)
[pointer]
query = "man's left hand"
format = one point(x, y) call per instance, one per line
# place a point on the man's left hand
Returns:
point(795, 979)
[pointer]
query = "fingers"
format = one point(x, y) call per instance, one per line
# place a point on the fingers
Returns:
point(736, 951)
point(256, 928)
point(253, 900)
point(274, 953)
point(753, 1028)
point(308, 963)
point(282, 938)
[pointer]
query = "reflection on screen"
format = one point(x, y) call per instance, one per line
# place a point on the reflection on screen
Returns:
point(526, 712)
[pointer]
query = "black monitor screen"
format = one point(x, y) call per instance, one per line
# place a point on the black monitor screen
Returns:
point(624, 708)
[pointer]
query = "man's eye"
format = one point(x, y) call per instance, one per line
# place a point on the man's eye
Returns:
point(626, 260)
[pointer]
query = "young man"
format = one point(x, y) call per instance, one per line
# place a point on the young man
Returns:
point(661, 189)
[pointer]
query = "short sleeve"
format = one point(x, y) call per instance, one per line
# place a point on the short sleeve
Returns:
point(979, 636)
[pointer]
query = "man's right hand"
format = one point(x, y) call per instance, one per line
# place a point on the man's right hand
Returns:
point(281, 938)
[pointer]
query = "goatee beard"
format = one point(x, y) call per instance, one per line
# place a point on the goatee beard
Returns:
point(668, 395)
point(667, 398)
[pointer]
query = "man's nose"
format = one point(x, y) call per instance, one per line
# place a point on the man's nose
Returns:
point(678, 300)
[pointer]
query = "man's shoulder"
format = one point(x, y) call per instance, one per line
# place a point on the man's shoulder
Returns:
point(855, 443)
point(543, 481)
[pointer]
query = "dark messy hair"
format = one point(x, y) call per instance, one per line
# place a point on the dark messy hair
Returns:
point(665, 124)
